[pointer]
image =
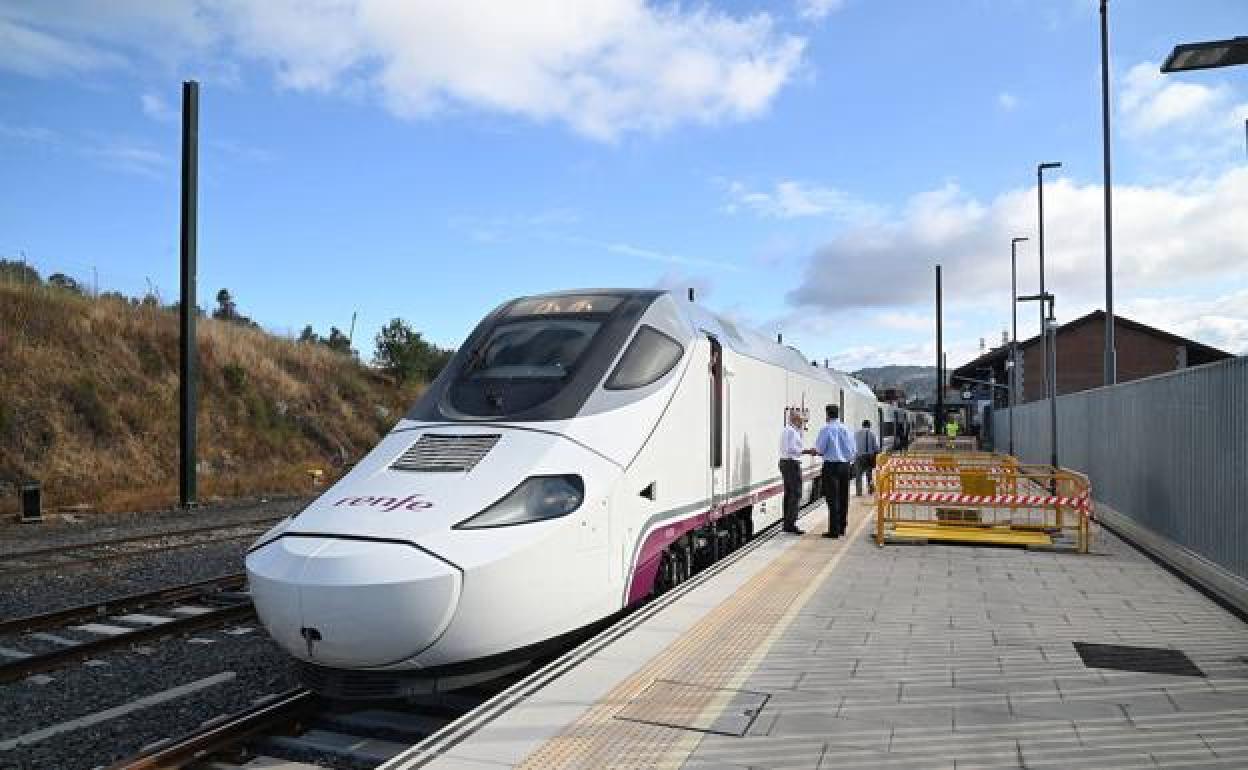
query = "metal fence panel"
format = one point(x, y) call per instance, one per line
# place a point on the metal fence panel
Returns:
point(1170, 451)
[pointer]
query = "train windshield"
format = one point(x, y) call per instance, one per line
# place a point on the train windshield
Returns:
point(529, 355)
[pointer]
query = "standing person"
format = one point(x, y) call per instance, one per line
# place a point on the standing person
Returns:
point(951, 427)
point(837, 447)
point(791, 470)
point(866, 446)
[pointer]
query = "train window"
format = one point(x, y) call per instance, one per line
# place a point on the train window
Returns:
point(522, 363)
point(650, 355)
point(889, 429)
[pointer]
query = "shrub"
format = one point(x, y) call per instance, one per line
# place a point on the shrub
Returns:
point(85, 399)
point(235, 378)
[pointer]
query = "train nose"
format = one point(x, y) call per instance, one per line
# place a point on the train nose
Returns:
point(352, 603)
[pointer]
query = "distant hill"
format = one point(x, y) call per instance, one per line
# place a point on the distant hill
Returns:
point(89, 403)
point(914, 380)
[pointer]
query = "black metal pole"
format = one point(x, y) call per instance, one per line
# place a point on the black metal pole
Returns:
point(1013, 334)
point(1053, 379)
point(1111, 354)
point(940, 367)
point(186, 309)
point(1044, 340)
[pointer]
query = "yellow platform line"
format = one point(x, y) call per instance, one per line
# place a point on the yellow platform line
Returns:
point(720, 651)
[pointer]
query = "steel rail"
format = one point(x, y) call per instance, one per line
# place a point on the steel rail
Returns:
point(288, 707)
point(24, 667)
point(119, 604)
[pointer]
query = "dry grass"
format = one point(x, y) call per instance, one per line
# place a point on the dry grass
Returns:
point(89, 404)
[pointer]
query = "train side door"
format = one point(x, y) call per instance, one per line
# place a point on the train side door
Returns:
point(718, 385)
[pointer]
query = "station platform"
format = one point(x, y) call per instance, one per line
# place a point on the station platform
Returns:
point(805, 652)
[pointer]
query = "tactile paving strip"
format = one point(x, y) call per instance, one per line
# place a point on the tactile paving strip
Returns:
point(718, 654)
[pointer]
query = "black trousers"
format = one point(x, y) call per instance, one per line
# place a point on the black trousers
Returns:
point(791, 471)
point(864, 465)
point(836, 494)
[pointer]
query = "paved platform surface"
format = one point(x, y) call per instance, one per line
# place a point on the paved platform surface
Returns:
point(810, 653)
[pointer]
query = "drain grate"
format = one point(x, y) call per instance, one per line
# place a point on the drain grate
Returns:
point(1146, 660)
point(695, 707)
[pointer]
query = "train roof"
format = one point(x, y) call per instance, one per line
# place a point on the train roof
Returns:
point(748, 342)
point(735, 337)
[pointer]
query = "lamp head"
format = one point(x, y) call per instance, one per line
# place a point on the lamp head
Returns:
point(1043, 166)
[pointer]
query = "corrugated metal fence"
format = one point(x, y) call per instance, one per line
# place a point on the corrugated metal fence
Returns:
point(1170, 452)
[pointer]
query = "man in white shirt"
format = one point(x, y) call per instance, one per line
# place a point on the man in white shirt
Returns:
point(836, 444)
point(791, 469)
point(867, 447)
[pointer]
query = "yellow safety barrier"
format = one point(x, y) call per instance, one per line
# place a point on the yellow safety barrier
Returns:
point(956, 444)
point(980, 497)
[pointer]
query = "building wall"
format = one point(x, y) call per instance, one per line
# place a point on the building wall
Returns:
point(1081, 358)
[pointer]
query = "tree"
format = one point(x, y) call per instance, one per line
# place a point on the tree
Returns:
point(402, 352)
point(13, 271)
point(64, 282)
point(308, 335)
point(338, 342)
point(227, 309)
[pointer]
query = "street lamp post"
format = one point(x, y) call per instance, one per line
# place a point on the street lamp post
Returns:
point(1040, 205)
point(1111, 354)
point(1048, 330)
point(1206, 55)
point(1013, 394)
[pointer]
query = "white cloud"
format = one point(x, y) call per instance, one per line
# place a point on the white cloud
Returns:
point(909, 322)
point(156, 108)
point(603, 67)
point(630, 250)
point(790, 199)
point(817, 10)
point(38, 134)
point(1007, 101)
point(1162, 234)
point(1151, 101)
point(1220, 321)
point(30, 51)
point(131, 158)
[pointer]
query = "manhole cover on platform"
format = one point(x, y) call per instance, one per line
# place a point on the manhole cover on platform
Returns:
point(1148, 660)
point(695, 707)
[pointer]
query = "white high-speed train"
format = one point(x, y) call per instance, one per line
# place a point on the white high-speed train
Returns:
point(581, 452)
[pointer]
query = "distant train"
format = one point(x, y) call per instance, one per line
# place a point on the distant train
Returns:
point(581, 452)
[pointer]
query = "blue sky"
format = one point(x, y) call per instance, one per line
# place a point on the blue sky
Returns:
point(804, 164)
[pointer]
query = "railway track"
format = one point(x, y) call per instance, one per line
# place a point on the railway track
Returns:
point(305, 732)
point(80, 554)
point(297, 726)
point(87, 630)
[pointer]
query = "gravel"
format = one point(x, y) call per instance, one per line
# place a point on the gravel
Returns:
point(40, 592)
point(70, 529)
point(259, 668)
point(120, 677)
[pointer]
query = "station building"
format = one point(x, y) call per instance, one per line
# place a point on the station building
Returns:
point(1143, 351)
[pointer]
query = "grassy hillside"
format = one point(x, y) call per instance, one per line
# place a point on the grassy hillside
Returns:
point(89, 403)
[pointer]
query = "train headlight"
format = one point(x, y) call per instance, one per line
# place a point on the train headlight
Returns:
point(536, 499)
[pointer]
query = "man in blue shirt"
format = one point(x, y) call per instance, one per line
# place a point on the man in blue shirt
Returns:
point(836, 444)
point(868, 447)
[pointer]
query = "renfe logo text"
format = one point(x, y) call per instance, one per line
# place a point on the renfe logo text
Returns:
point(387, 504)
